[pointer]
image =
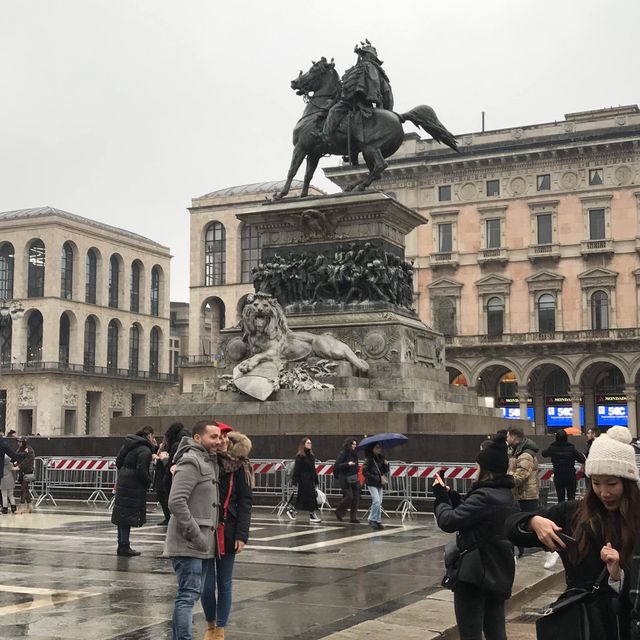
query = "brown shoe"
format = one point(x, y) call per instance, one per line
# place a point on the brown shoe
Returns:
point(211, 631)
point(218, 633)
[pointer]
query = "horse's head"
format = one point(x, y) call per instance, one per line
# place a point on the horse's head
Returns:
point(311, 81)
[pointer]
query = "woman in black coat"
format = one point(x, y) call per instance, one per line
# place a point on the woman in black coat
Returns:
point(305, 477)
point(479, 520)
point(134, 477)
point(563, 456)
point(236, 491)
point(603, 527)
point(345, 471)
point(376, 474)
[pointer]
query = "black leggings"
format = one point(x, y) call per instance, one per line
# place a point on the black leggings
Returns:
point(477, 612)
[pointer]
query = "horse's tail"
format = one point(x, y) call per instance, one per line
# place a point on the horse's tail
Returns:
point(425, 117)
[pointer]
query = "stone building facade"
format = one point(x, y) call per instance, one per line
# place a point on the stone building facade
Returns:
point(84, 323)
point(529, 263)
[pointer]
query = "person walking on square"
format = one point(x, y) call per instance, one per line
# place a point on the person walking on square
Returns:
point(376, 474)
point(236, 498)
point(603, 527)
point(563, 456)
point(191, 535)
point(305, 478)
point(7, 485)
point(26, 468)
point(345, 471)
point(7, 457)
point(479, 520)
point(134, 477)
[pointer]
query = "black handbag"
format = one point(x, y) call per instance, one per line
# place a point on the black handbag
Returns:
point(567, 617)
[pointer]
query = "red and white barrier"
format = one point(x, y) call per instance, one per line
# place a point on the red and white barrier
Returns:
point(80, 464)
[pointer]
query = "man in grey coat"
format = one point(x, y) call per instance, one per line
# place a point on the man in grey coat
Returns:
point(191, 534)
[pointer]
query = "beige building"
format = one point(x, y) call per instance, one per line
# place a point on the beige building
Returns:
point(84, 323)
point(529, 263)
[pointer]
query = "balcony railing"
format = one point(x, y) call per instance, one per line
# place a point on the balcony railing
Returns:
point(588, 247)
point(498, 254)
point(63, 367)
point(544, 251)
point(587, 335)
point(202, 360)
point(443, 259)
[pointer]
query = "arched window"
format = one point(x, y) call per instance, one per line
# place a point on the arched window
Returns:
point(599, 311)
point(6, 271)
point(64, 341)
point(6, 332)
point(495, 317)
point(91, 277)
point(155, 291)
point(112, 346)
point(445, 315)
point(66, 271)
point(34, 337)
point(154, 351)
point(215, 256)
point(134, 349)
point(89, 343)
point(135, 285)
point(546, 313)
point(35, 284)
point(250, 252)
point(114, 281)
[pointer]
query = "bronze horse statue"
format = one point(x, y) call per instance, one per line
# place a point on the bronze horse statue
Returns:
point(377, 137)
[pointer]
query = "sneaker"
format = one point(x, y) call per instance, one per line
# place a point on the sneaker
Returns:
point(551, 557)
point(313, 517)
point(291, 514)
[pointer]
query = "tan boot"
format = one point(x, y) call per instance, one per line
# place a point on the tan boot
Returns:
point(211, 631)
point(218, 633)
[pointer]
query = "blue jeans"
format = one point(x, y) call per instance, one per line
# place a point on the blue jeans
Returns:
point(218, 572)
point(123, 535)
point(189, 572)
point(376, 504)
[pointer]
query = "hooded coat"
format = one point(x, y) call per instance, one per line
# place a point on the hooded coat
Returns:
point(134, 477)
point(193, 502)
point(238, 520)
point(523, 466)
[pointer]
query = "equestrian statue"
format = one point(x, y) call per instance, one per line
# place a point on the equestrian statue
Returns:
point(352, 116)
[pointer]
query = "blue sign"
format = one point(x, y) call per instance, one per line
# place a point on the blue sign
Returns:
point(609, 415)
point(562, 416)
point(514, 413)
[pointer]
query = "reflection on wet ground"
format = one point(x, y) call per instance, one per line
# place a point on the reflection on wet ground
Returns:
point(60, 577)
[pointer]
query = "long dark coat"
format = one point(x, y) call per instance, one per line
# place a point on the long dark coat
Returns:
point(563, 457)
point(305, 476)
point(238, 520)
point(581, 575)
point(134, 478)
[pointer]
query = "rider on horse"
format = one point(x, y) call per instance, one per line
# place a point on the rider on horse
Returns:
point(364, 86)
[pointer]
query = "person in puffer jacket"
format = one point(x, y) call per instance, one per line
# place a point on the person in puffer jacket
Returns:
point(523, 466)
point(563, 456)
point(479, 520)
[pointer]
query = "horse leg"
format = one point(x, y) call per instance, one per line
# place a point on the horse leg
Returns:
point(312, 165)
point(296, 160)
point(376, 163)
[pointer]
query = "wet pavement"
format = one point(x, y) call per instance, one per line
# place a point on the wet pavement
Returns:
point(60, 577)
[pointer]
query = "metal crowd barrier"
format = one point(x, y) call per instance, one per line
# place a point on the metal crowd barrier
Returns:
point(410, 484)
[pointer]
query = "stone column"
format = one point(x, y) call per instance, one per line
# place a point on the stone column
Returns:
point(632, 411)
point(19, 341)
point(523, 396)
point(574, 394)
point(50, 336)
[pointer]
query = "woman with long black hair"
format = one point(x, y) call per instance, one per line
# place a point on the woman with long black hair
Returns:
point(306, 479)
point(602, 530)
point(345, 470)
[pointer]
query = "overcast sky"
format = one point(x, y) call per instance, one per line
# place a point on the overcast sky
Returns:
point(124, 110)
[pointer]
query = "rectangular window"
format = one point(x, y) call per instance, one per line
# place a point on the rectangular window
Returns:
point(596, 176)
point(543, 182)
point(545, 234)
point(493, 188)
point(493, 234)
point(445, 237)
point(444, 193)
point(596, 224)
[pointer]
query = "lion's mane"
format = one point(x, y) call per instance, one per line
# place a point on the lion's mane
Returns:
point(275, 328)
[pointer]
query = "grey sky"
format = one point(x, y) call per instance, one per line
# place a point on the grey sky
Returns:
point(124, 110)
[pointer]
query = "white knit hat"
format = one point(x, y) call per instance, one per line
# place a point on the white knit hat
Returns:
point(612, 455)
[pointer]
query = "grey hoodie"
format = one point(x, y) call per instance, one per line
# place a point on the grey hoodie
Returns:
point(193, 503)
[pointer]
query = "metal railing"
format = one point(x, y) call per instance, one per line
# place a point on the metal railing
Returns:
point(37, 365)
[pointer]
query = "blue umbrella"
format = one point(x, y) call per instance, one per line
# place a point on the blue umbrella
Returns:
point(386, 440)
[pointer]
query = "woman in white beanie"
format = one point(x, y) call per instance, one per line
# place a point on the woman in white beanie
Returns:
point(602, 529)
